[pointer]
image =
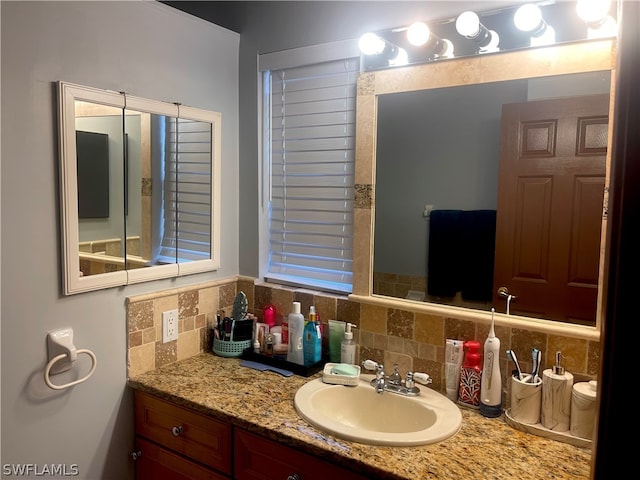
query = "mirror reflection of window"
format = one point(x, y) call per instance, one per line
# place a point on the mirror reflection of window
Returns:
point(186, 219)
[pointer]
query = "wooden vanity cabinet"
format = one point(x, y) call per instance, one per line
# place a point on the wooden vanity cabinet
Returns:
point(257, 458)
point(176, 443)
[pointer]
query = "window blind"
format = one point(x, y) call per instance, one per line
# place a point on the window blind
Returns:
point(311, 135)
point(187, 191)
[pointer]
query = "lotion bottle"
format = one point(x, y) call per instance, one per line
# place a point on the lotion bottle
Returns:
point(348, 346)
point(296, 328)
point(491, 381)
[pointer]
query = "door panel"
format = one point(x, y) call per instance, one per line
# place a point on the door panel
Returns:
point(550, 196)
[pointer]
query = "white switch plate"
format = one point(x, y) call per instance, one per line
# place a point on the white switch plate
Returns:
point(169, 326)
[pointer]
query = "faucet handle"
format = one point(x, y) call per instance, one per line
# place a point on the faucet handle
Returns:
point(371, 365)
point(408, 381)
point(422, 378)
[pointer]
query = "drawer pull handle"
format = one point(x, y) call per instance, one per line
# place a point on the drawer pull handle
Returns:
point(136, 455)
point(177, 430)
point(295, 476)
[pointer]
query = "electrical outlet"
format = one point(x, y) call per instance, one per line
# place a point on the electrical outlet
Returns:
point(169, 325)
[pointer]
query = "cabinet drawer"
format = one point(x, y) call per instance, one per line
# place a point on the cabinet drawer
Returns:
point(196, 436)
point(259, 458)
point(158, 463)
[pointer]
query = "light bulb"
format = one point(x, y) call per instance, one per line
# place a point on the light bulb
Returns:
point(607, 29)
point(418, 34)
point(401, 58)
point(371, 44)
point(594, 12)
point(492, 46)
point(448, 49)
point(468, 24)
point(547, 38)
point(528, 17)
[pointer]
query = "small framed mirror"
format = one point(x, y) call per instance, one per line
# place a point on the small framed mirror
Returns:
point(140, 188)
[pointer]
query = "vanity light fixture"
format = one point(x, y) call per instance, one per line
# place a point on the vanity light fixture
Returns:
point(595, 13)
point(372, 44)
point(419, 34)
point(528, 18)
point(468, 25)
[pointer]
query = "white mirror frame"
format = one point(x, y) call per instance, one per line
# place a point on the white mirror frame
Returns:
point(536, 62)
point(73, 283)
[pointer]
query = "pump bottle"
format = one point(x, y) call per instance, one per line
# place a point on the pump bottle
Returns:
point(296, 328)
point(348, 346)
point(491, 382)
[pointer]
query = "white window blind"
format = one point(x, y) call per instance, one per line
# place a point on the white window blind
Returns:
point(311, 139)
point(187, 191)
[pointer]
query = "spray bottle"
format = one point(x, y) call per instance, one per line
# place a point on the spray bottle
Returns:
point(491, 383)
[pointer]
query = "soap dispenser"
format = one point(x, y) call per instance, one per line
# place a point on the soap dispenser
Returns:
point(348, 346)
point(557, 385)
point(491, 382)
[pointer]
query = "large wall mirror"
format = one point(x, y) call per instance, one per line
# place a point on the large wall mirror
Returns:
point(431, 147)
point(140, 188)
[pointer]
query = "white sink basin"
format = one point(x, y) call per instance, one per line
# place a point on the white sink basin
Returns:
point(360, 414)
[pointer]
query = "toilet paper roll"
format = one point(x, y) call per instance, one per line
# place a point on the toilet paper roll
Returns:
point(555, 413)
point(526, 400)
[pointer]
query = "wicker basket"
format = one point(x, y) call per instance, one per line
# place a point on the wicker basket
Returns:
point(229, 348)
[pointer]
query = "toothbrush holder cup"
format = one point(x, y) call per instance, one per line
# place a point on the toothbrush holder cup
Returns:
point(526, 399)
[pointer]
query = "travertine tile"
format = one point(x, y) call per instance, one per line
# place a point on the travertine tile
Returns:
point(373, 318)
point(166, 353)
point(380, 330)
point(189, 344)
point(141, 359)
point(135, 338)
point(208, 299)
point(574, 352)
point(429, 329)
point(140, 315)
point(188, 304)
point(459, 329)
point(400, 323)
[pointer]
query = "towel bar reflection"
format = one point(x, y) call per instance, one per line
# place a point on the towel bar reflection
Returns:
point(62, 353)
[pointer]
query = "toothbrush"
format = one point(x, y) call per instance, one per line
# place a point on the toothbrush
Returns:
point(512, 356)
point(535, 358)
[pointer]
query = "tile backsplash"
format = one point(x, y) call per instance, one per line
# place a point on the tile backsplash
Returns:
point(413, 340)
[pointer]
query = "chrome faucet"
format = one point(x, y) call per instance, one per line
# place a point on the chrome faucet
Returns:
point(379, 383)
point(394, 383)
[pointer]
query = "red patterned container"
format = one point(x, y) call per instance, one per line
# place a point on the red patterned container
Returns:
point(470, 375)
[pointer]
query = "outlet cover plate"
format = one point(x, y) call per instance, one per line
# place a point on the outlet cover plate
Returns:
point(169, 326)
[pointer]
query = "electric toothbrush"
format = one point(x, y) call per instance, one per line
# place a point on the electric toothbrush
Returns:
point(491, 382)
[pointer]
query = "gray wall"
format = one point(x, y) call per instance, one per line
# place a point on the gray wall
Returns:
point(148, 50)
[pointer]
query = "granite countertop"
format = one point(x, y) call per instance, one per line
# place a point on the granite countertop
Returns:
point(262, 402)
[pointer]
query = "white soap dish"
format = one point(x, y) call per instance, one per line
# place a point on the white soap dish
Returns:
point(341, 374)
